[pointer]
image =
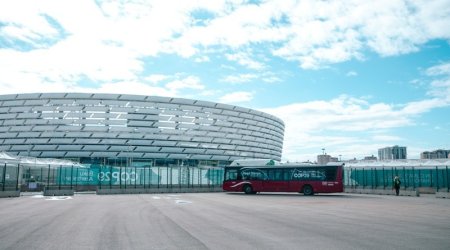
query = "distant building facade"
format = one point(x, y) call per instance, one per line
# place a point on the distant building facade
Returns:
point(324, 159)
point(370, 158)
point(437, 154)
point(392, 153)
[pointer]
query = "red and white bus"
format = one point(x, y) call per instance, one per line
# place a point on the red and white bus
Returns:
point(306, 179)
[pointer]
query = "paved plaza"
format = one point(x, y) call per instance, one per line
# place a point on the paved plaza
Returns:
point(224, 221)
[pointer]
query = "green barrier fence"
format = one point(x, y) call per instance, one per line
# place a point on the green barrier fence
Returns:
point(436, 178)
point(28, 178)
point(9, 177)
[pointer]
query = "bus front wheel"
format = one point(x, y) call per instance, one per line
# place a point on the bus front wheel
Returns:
point(248, 189)
point(308, 190)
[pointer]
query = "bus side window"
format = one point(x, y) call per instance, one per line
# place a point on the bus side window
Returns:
point(255, 175)
point(278, 174)
point(271, 174)
point(287, 174)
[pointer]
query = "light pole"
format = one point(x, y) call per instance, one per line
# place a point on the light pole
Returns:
point(323, 151)
point(129, 157)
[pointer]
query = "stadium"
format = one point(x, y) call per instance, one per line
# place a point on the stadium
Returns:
point(99, 128)
point(134, 131)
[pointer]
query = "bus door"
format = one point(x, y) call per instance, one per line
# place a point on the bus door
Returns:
point(275, 181)
point(333, 179)
point(325, 179)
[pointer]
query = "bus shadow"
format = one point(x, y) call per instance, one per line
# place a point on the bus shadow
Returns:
point(324, 196)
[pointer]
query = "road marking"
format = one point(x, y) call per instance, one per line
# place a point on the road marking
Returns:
point(59, 198)
point(183, 202)
point(173, 197)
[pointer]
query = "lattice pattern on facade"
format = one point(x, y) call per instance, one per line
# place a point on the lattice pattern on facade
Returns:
point(71, 125)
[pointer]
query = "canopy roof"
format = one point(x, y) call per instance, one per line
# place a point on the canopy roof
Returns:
point(33, 161)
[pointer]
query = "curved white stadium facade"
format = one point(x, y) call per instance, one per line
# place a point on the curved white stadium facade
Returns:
point(105, 127)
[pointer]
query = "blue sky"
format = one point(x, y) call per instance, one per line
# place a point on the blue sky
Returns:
point(347, 76)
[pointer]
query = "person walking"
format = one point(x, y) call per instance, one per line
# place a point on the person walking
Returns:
point(396, 185)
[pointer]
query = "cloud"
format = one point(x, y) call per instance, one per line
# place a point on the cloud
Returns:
point(113, 39)
point(339, 31)
point(386, 138)
point(440, 84)
point(237, 24)
point(418, 107)
point(271, 79)
point(106, 44)
point(190, 82)
point(345, 121)
point(129, 88)
point(70, 59)
point(241, 78)
point(237, 97)
point(344, 114)
point(439, 70)
point(202, 59)
point(266, 76)
point(352, 73)
point(22, 24)
point(245, 60)
point(227, 67)
point(156, 78)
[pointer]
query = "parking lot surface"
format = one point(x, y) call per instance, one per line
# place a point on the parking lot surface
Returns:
point(224, 221)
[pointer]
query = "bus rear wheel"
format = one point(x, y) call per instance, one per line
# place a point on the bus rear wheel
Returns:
point(308, 190)
point(248, 189)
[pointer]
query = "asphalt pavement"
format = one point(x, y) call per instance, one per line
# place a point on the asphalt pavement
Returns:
point(224, 221)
